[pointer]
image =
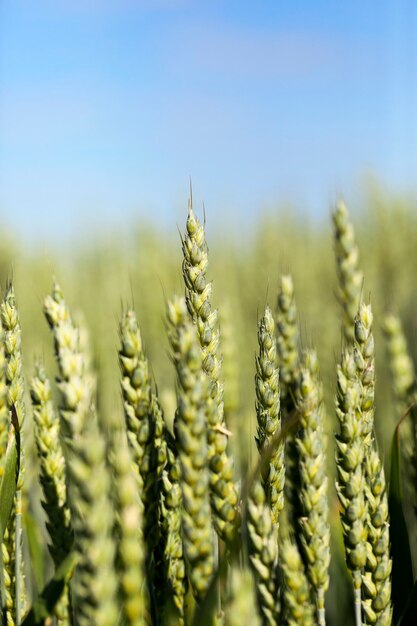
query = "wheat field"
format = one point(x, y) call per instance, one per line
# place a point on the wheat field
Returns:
point(212, 430)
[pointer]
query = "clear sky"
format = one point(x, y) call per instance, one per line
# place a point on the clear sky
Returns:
point(108, 107)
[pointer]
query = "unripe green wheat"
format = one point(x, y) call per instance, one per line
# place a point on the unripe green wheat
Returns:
point(168, 567)
point(130, 549)
point(137, 397)
point(223, 493)
point(87, 351)
point(314, 523)
point(288, 362)
point(401, 365)
point(355, 409)
point(170, 519)
point(363, 354)
point(52, 478)
point(287, 343)
point(94, 585)
point(296, 588)
point(143, 430)
point(8, 543)
point(190, 432)
point(15, 398)
point(52, 467)
point(404, 383)
point(268, 413)
point(263, 547)
point(8, 552)
point(376, 580)
point(350, 485)
point(348, 272)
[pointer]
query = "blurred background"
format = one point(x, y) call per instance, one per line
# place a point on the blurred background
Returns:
point(274, 110)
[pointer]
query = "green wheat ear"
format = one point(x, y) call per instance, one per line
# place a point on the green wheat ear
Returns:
point(190, 432)
point(130, 557)
point(350, 277)
point(287, 336)
point(298, 607)
point(144, 427)
point(404, 385)
point(7, 545)
point(364, 357)
point(263, 552)
point(288, 362)
point(94, 583)
point(52, 478)
point(376, 579)
point(314, 523)
point(400, 363)
point(223, 493)
point(52, 466)
point(361, 484)
point(268, 413)
point(173, 548)
point(350, 485)
point(12, 546)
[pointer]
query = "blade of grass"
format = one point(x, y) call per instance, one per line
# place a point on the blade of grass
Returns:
point(11, 472)
point(35, 550)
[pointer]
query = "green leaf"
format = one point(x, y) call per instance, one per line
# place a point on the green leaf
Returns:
point(402, 569)
point(11, 472)
point(44, 605)
point(36, 551)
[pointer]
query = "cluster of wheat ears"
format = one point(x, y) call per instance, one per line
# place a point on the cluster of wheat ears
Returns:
point(149, 524)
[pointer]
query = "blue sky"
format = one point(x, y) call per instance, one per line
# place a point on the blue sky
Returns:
point(108, 107)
